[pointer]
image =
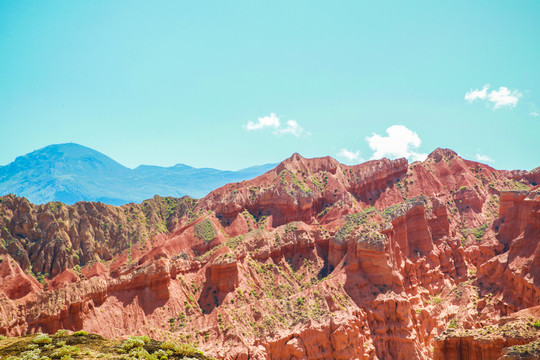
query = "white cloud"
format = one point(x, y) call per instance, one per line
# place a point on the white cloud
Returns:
point(504, 97)
point(535, 114)
point(272, 121)
point(350, 155)
point(499, 98)
point(484, 158)
point(292, 128)
point(263, 122)
point(400, 142)
point(477, 94)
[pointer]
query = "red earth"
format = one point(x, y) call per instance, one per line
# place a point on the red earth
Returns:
point(437, 259)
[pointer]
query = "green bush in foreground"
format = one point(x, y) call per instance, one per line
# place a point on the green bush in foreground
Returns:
point(132, 343)
point(61, 333)
point(42, 339)
point(66, 350)
point(181, 349)
point(135, 342)
point(42, 347)
point(27, 355)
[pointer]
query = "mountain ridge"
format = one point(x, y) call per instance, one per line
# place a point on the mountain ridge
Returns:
point(71, 172)
point(311, 260)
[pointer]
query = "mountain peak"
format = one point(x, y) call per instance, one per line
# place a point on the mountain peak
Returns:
point(70, 172)
point(298, 162)
point(70, 146)
point(296, 157)
point(65, 151)
point(440, 153)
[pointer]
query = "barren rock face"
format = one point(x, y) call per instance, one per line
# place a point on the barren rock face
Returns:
point(312, 260)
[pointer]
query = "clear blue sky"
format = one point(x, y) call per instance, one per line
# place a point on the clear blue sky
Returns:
point(186, 81)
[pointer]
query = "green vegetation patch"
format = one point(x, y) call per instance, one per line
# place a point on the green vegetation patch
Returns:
point(300, 184)
point(233, 243)
point(92, 346)
point(527, 351)
point(400, 209)
point(42, 339)
point(479, 232)
point(353, 222)
point(515, 185)
point(204, 230)
point(317, 183)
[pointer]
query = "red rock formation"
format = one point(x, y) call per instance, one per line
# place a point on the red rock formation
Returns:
point(97, 269)
point(64, 278)
point(312, 260)
point(15, 283)
point(301, 189)
point(489, 342)
point(516, 272)
point(49, 238)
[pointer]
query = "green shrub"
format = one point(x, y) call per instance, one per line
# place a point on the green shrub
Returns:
point(453, 324)
point(61, 333)
point(41, 278)
point(28, 355)
point(80, 333)
point(132, 343)
point(65, 350)
point(187, 350)
point(135, 342)
point(42, 339)
point(434, 300)
point(144, 338)
point(141, 353)
point(479, 232)
point(168, 345)
point(161, 355)
point(181, 349)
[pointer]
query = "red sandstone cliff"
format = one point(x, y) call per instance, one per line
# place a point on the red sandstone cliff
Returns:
point(312, 260)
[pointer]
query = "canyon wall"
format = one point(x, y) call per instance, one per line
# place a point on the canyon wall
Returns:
point(312, 260)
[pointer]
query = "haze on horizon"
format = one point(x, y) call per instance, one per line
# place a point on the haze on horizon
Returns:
point(238, 84)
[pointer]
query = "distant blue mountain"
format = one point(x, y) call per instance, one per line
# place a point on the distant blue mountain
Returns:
point(72, 172)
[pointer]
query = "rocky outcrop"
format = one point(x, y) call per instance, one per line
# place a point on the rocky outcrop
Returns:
point(492, 341)
point(510, 281)
point(516, 272)
point(15, 283)
point(50, 238)
point(302, 189)
point(312, 260)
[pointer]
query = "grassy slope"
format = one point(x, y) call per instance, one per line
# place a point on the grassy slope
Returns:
point(81, 345)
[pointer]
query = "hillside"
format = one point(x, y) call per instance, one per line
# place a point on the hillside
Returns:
point(71, 173)
point(314, 259)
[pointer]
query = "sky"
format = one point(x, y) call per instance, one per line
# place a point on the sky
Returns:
point(234, 84)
